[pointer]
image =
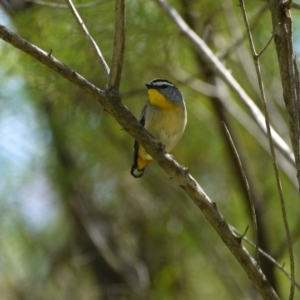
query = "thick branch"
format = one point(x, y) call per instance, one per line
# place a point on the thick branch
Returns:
point(283, 37)
point(153, 147)
point(119, 46)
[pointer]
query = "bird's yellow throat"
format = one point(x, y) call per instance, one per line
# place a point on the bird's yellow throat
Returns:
point(158, 99)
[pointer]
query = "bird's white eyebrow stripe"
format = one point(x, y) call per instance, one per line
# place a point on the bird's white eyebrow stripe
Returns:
point(162, 82)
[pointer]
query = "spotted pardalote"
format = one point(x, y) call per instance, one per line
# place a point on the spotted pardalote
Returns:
point(164, 116)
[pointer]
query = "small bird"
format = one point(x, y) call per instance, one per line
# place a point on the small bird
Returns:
point(164, 116)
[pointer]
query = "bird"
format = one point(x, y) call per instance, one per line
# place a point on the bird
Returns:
point(164, 116)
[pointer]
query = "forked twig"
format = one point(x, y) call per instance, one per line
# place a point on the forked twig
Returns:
point(278, 181)
point(258, 12)
point(266, 46)
point(87, 34)
point(269, 257)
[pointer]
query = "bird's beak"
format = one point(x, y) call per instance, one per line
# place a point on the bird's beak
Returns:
point(149, 85)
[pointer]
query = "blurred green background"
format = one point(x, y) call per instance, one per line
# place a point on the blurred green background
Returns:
point(74, 224)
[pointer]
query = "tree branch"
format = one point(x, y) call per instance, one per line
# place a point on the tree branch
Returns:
point(283, 38)
point(119, 46)
point(272, 149)
point(270, 258)
point(112, 104)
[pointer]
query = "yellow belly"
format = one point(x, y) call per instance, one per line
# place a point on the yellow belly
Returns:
point(167, 126)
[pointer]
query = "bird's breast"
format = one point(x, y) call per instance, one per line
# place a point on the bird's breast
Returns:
point(167, 126)
point(159, 100)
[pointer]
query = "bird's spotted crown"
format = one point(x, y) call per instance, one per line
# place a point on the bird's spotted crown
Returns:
point(159, 83)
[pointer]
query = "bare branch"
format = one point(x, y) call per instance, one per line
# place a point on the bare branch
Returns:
point(153, 147)
point(275, 165)
point(119, 46)
point(220, 70)
point(283, 38)
point(269, 257)
point(266, 46)
point(94, 45)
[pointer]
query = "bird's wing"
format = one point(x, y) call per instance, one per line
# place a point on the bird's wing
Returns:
point(136, 148)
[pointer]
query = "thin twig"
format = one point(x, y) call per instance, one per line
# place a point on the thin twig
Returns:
point(268, 256)
point(266, 46)
point(94, 45)
point(119, 46)
point(278, 181)
point(257, 12)
point(60, 5)
point(254, 220)
point(244, 56)
point(220, 70)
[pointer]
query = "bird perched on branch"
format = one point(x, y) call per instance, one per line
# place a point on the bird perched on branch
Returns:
point(164, 116)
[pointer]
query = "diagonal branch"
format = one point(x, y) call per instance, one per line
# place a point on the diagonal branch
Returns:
point(153, 147)
point(119, 46)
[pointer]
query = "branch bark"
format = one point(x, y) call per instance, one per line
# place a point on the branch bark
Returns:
point(112, 104)
point(283, 38)
point(119, 46)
